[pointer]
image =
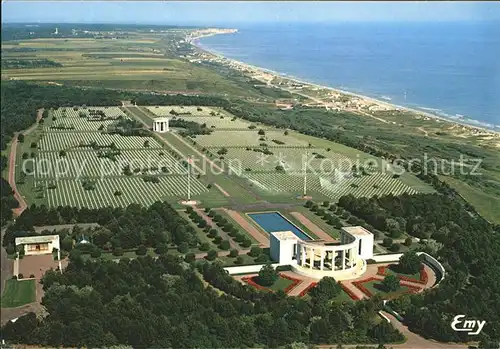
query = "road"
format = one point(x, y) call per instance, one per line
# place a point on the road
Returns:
point(12, 166)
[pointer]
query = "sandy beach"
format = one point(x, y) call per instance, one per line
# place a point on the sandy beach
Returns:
point(267, 75)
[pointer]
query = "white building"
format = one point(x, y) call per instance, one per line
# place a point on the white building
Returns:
point(36, 245)
point(316, 259)
point(160, 125)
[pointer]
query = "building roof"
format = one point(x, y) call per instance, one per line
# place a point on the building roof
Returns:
point(356, 231)
point(38, 239)
point(285, 235)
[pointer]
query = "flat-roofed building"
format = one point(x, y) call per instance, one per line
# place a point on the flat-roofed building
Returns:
point(41, 244)
point(342, 260)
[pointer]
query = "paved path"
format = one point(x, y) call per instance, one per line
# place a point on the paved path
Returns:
point(305, 282)
point(256, 234)
point(312, 227)
point(225, 193)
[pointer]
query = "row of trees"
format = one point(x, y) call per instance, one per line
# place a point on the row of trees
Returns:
point(126, 228)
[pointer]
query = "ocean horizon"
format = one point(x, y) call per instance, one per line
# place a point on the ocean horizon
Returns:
point(450, 69)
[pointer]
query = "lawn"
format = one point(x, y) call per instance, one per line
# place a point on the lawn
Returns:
point(375, 287)
point(18, 293)
point(392, 271)
point(284, 284)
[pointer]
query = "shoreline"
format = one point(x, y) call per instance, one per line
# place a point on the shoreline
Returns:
point(474, 124)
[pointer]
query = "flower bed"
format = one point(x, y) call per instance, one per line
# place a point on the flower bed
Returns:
point(362, 288)
point(350, 293)
point(307, 289)
point(250, 281)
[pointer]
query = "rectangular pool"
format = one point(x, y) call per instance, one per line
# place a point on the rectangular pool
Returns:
point(274, 221)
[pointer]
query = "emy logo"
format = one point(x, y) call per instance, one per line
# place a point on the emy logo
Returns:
point(473, 327)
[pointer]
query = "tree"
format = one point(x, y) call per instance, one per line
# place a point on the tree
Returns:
point(246, 243)
point(261, 132)
point(183, 247)
point(20, 138)
point(238, 260)
point(233, 253)
point(211, 255)
point(224, 245)
point(255, 251)
point(189, 257)
point(408, 241)
point(141, 250)
point(204, 246)
point(387, 242)
point(117, 251)
point(410, 262)
point(390, 283)
point(326, 289)
point(267, 275)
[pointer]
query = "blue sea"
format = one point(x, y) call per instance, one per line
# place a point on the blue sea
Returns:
point(450, 69)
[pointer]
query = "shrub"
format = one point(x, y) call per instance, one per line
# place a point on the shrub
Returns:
point(387, 242)
point(211, 255)
point(183, 247)
point(96, 253)
point(118, 251)
point(408, 241)
point(326, 203)
point(189, 257)
point(255, 251)
point(204, 246)
point(141, 250)
point(161, 249)
point(262, 258)
point(246, 243)
point(20, 276)
point(239, 260)
point(394, 248)
point(32, 276)
point(10, 249)
point(233, 253)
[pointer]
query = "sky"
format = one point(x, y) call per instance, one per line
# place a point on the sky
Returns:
point(224, 12)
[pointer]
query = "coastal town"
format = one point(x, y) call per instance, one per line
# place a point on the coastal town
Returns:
point(317, 96)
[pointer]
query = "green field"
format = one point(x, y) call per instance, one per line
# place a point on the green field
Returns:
point(18, 293)
point(376, 288)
